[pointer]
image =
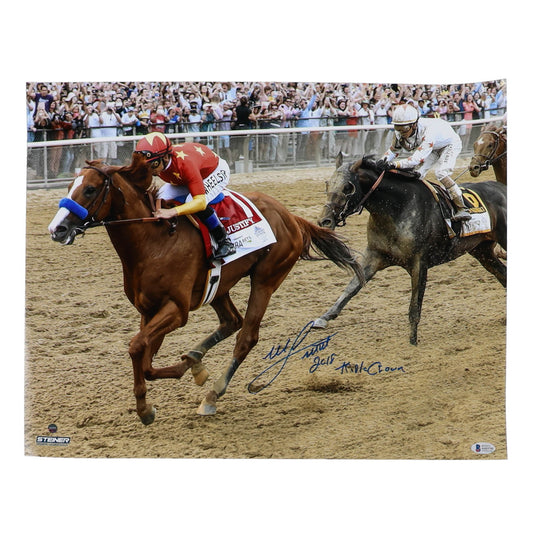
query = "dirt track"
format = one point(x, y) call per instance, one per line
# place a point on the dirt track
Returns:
point(450, 395)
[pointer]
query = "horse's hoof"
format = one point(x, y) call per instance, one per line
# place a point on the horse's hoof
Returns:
point(206, 408)
point(199, 373)
point(149, 418)
point(319, 323)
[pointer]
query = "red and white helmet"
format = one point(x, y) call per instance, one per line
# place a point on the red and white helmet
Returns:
point(154, 146)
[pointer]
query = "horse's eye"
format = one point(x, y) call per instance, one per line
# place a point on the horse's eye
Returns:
point(348, 188)
point(89, 190)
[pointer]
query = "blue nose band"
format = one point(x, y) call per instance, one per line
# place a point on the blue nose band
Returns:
point(74, 207)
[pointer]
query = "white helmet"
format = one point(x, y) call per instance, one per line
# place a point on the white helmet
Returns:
point(404, 114)
point(404, 118)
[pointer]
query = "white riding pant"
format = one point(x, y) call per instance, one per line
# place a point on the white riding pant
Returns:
point(443, 164)
point(442, 161)
point(214, 184)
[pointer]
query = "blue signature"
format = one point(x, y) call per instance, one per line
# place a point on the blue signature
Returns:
point(282, 354)
point(372, 369)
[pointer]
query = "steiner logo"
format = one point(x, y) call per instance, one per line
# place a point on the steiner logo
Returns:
point(53, 440)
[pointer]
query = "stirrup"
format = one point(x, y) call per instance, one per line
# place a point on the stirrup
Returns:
point(224, 249)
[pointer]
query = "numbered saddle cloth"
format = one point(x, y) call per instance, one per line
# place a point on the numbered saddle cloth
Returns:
point(480, 221)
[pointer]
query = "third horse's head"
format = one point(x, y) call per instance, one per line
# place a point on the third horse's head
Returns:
point(487, 148)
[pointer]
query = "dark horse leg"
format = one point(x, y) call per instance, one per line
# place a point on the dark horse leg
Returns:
point(230, 322)
point(485, 253)
point(372, 262)
point(418, 274)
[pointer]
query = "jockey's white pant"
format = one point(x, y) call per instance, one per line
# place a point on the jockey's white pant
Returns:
point(214, 184)
point(443, 164)
point(442, 161)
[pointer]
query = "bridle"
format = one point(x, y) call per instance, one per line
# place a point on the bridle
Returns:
point(104, 193)
point(91, 220)
point(349, 206)
point(490, 159)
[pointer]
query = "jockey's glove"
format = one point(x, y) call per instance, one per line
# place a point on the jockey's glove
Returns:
point(383, 164)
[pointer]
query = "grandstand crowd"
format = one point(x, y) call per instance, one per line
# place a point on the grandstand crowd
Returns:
point(57, 111)
point(76, 108)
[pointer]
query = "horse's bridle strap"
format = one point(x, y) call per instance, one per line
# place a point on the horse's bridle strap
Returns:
point(107, 187)
point(490, 159)
point(105, 192)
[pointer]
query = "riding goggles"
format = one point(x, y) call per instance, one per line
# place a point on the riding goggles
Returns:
point(151, 156)
point(403, 128)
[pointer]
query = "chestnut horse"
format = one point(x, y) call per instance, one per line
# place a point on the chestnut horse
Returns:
point(490, 148)
point(165, 271)
point(407, 228)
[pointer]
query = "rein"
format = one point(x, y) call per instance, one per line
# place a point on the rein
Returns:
point(347, 211)
point(124, 221)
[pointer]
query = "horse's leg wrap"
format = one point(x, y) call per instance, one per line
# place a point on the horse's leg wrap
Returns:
point(221, 384)
point(194, 355)
point(198, 370)
point(208, 405)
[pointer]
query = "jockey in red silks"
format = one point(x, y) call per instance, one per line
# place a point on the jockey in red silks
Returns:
point(196, 177)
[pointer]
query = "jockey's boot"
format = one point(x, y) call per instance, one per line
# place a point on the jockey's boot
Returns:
point(461, 214)
point(224, 245)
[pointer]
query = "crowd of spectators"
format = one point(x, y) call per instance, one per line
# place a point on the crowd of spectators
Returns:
point(76, 110)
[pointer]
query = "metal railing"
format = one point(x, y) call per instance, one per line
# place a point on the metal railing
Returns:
point(54, 163)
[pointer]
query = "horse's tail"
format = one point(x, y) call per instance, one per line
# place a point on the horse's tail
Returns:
point(328, 245)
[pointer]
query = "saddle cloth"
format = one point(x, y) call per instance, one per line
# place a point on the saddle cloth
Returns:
point(245, 225)
point(247, 228)
point(480, 221)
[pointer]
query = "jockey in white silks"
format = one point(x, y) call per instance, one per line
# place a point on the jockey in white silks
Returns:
point(433, 143)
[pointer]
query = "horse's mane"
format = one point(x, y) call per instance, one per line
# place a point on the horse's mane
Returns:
point(137, 176)
point(138, 172)
point(495, 128)
point(368, 162)
point(354, 167)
